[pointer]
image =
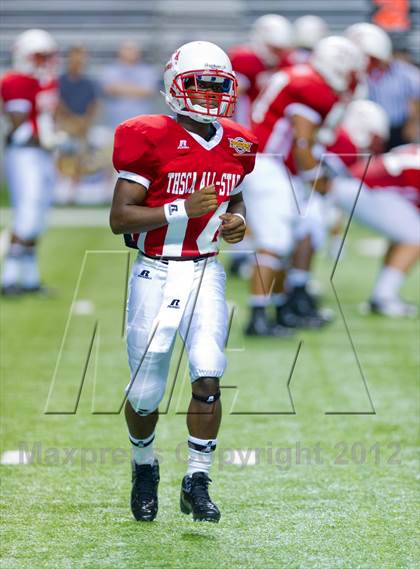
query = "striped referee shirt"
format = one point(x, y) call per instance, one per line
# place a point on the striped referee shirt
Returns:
point(394, 90)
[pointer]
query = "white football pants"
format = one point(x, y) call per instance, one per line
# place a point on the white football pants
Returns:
point(279, 208)
point(384, 211)
point(30, 175)
point(184, 296)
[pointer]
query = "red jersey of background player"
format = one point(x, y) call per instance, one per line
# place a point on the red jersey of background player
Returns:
point(26, 94)
point(253, 73)
point(250, 69)
point(344, 148)
point(172, 163)
point(297, 90)
point(398, 171)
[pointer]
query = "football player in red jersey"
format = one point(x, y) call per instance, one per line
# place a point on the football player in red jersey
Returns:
point(388, 203)
point(178, 192)
point(364, 130)
point(269, 49)
point(29, 97)
point(286, 117)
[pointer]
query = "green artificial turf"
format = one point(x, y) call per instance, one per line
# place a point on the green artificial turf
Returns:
point(348, 501)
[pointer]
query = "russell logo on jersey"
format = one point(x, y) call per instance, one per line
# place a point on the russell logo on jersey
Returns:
point(183, 145)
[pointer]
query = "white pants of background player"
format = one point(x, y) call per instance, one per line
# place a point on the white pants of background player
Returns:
point(391, 215)
point(30, 178)
point(183, 296)
point(384, 211)
point(279, 209)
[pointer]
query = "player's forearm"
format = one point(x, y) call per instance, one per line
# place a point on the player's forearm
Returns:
point(304, 157)
point(237, 205)
point(304, 134)
point(136, 219)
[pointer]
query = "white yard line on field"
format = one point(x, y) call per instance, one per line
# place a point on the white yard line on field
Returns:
point(83, 307)
point(14, 457)
point(240, 457)
point(4, 242)
point(69, 217)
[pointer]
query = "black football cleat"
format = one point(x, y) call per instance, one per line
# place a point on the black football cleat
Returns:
point(144, 498)
point(11, 290)
point(195, 498)
point(259, 325)
point(286, 317)
point(304, 306)
point(39, 290)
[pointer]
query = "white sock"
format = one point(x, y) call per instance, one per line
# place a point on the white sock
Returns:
point(388, 284)
point(256, 300)
point(30, 271)
point(297, 277)
point(143, 449)
point(200, 454)
point(278, 299)
point(12, 267)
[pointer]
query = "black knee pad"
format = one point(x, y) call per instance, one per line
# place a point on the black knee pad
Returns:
point(209, 399)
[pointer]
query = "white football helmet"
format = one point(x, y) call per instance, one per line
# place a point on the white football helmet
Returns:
point(188, 75)
point(269, 32)
point(34, 53)
point(340, 62)
point(372, 40)
point(309, 30)
point(365, 120)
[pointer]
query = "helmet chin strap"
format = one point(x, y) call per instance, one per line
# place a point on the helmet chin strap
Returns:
point(205, 119)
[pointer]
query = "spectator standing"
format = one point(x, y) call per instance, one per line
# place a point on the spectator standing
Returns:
point(129, 85)
point(77, 107)
point(78, 95)
point(397, 90)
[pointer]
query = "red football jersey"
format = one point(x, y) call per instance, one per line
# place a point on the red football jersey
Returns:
point(25, 93)
point(250, 68)
point(171, 162)
point(344, 148)
point(297, 90)
point(292, 57)
point(253, 74)
point(398, 170)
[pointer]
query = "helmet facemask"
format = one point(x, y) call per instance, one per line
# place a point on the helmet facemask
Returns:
point(204, 95)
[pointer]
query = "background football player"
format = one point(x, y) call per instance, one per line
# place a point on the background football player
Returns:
point(271, 44)
point(177, 193)
point(286, 118)
point(388, 203)
point(29, 98)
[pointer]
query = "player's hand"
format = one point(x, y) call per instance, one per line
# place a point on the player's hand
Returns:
point(201, 202)
point(233, 228)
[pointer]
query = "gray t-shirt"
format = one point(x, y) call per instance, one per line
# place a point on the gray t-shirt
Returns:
point(119, 109)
